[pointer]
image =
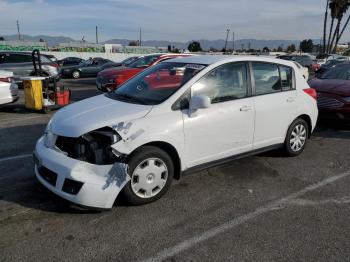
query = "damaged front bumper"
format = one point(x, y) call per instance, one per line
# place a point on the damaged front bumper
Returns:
point(77, 181)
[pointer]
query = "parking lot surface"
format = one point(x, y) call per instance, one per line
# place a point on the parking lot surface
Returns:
point(262, 208)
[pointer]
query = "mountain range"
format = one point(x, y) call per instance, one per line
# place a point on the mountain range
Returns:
point(205, 44)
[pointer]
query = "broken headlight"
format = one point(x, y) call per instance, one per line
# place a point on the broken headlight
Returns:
point(93, 147)
point(49, 137)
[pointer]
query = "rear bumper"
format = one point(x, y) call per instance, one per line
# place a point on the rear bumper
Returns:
point(335, 114)
point(96, 186)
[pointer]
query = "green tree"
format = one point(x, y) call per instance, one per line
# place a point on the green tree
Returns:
point(306, 46)
point(291, 48)
point(266, 49)
point(194, 47)
point(2, 38)
point(279, 49)
point(134, 43)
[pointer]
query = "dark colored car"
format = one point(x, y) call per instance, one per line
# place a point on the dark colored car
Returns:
point(21, 64)
point(111, 78)
point(88, 68)
point(70, 61)
point(125, 62)
point(329, 64)
point(333, 92)
point(304, 60)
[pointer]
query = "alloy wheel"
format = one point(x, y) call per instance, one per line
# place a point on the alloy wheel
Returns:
point(298, 138)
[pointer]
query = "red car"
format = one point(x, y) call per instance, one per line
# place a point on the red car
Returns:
point(110, 79)
point(333, 92)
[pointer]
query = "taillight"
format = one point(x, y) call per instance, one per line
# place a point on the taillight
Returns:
point(55, 65)
point(6, 79)
point(311, 92)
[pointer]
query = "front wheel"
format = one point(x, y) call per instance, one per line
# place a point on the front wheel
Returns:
point(297, 136)
point(151, 171)
point(76, 74)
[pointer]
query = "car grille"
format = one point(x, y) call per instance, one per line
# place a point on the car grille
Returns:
point(328, 102)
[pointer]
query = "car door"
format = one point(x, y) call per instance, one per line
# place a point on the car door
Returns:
point(274, 101)
point(225, 128)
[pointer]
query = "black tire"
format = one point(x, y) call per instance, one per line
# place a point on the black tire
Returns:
point(138, 157)
point(288, 144)
point(76, 74)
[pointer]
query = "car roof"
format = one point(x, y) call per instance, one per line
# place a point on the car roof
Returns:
point(213, 59)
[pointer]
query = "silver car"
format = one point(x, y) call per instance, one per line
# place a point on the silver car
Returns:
point(20, 63)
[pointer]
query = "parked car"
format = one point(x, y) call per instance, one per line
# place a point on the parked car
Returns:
point(8, 88)
point(177, 116)
point(70, 61)
point(88, 68)
point(51, 57)
point(303, 70)
point(125, 62)
point(20, 63)
point(304, 60)
point(329, 64)
point(333, 92)
point(110, 79)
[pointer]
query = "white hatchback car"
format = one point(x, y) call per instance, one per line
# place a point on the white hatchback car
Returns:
point(180, 115)
point(8, 88)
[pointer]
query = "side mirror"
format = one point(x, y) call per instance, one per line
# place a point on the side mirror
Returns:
point(199, 102)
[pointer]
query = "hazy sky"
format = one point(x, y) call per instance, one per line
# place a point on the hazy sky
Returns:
point(175, 20)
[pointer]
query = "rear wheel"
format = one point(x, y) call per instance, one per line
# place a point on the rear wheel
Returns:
point(297, 136)
point(151, 170)
point(76, 74)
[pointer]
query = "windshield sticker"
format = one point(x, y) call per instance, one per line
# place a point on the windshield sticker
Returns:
point(195, 66)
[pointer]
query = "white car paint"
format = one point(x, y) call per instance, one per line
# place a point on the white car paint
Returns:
point(303, 70)
point(207, 135)
point(8, 90)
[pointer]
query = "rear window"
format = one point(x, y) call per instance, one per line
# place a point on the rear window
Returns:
point(144, 61)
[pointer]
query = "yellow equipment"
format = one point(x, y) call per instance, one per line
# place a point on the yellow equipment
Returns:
point(33, 92)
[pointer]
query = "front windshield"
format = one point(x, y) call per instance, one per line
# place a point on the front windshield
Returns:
point(341, 72)
point(144, 61)
point(156, 84)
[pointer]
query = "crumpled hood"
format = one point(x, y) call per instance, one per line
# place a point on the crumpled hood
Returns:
point(93, 113)
point(332, 86)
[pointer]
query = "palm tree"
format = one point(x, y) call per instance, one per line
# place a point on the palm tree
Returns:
point(338, 9)
point(325, 28)
point(340, 33)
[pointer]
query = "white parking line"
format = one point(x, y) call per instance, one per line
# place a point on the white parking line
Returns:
point(186, 244)
point(15, 157)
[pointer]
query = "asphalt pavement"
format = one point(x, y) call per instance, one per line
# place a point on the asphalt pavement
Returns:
point(263, 208)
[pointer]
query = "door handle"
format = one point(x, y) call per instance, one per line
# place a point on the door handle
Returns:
point(245, 108)
point(290, 99)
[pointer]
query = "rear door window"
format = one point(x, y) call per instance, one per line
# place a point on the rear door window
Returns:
point(267, 78)
point(272, 78)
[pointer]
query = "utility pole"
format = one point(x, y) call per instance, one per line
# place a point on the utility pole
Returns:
point(19, 34)
point(233, 41)
point(140, 37)
point(96, 35)
point(228, 31)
